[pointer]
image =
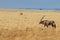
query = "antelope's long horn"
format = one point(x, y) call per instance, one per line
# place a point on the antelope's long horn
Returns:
point(42, 18)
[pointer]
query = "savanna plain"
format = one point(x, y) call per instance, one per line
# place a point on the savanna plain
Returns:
point(24, 24)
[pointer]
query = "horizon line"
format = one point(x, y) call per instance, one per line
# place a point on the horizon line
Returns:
point(34, 8)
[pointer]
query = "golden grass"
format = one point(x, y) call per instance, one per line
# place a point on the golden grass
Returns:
point(14, 26)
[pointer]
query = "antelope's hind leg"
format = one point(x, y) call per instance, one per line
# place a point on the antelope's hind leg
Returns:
point(54, 25)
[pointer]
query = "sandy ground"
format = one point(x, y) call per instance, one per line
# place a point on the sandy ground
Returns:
point(17, 26)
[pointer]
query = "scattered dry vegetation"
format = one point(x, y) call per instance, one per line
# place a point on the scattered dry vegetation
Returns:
point(13, 26)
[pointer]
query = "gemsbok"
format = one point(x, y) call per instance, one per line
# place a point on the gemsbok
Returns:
point(47, 22)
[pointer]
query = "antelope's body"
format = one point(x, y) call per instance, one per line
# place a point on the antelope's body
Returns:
point(47, 22)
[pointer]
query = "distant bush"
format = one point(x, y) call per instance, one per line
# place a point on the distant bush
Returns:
point(40, 9)
point(21, 13)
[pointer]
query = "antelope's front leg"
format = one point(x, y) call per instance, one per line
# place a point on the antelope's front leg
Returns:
point(44, 25)
point(47, 26)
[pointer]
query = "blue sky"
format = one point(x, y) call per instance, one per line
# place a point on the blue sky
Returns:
point(30, 4)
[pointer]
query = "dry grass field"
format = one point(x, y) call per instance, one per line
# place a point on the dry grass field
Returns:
point(17, 26)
